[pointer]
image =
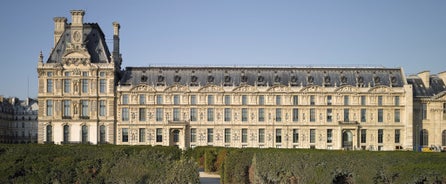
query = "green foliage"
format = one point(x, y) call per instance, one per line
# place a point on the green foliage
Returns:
point(94, 164)
point(209, 160)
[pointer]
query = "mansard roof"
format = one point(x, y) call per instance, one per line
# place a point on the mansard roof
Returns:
point(94, 41)
point(436, 86)
point(263, 76)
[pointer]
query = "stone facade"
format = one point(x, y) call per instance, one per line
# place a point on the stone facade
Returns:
point(18, 120)
point(85, 97)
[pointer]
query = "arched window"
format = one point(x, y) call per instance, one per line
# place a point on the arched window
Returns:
point(49, 134)
point(102, 134)
point(84, 134)
point(443, 138)
point(424, 138)
point(66, 134)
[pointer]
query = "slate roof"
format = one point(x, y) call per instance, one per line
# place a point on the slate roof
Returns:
point(235, 76)
point(94, 40)
point(436, 86)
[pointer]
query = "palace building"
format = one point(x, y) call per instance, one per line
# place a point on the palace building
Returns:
point(85, 97)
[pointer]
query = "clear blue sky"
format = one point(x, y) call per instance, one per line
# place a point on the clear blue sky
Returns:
point(398, 33)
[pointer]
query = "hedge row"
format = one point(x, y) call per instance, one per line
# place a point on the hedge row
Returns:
point(323, 166)
point(94, 164)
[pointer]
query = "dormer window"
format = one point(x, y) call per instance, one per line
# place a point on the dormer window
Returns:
point(310, 79)
point(277, 79)
point(343, 80)
point(177, 78)
point(143, 78)
point(244, 78)
point(160, 78)
point(227, 78)
point(210, 79)
point(377, 80)
point(193, 78)
point(260, 79)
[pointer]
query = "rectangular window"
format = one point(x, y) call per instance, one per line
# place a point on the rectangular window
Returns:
point(312, 135)
point(397, 100)
point(363, 115)
point(67, 108)
point(261, 135)
point(261, 114)
point(363, 135)
point(227, 114)
point(295, 135)
point(142, 99)
point(278, 115)
point(444, 111)
point(159, 99)
point(278, 135)
point(125, 99)
point(346, 115)
point(295, 100)
point(193, 135)
point(295, 115)
point(312, 115)
point(193, 99)
point(176, 99)
point(346, 100)
point(329, 135)
point(227, 100)
point(380, 100)
point(380, 136)
point(312, 100)
point(159, 114)
point(210, 135)
point(278, 100)
point(102, 85)
point(176, 114)
point(159, 135)
point(397, 136)
point(142, 114)
point(244, 100)
point(210, 99)
point(329, 115)
point(363, 100)
point(101, 74)
point(49, 108)
point(424, 111)
point(244, 135)
point(193, 114)
point(125, 135)
point(329, 100)
point(380, 115)
point(261, 100)
point(210, 114)
point(84, 85)
point(49, 85)
point(244, 114)
point(142, 135)
point(102, 108)
point(397, 116)
point(66, 85)
point(84, 109)
point(125, 114)
point(227, 135)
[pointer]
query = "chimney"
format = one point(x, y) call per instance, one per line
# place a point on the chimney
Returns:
point(116, 28)
point(59, 28)
point(425, 77)
point(442, 76)
point(77, 17)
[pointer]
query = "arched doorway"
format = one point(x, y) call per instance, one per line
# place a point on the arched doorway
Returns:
point(347, 140)
point(176, 138)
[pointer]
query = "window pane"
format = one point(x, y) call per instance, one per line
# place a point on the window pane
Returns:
point(278, 115)
point(210, 135)
point(193, 114)
point(210, 114)
point(329, 135)
point(193, 135)
point(142, 135)
point(278, 135)
point(227, 135)
point(159, 135)
point(125, 135)
point(295, 115)
point(261, 100)
point(312, 115)
point(261, 135)
point(227, 114)
point(295, 135)
point(244, 135)
point(312, 135)
point(244, 114)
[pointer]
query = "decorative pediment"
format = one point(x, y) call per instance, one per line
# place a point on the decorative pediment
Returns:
point(313, 88)
point(440, 96)
point(211, 88)
point(245, 88)
point(278, 88)
point(347, 88)
point(143, 88)
point(177, 88)
point(76, 54)
point(380, 89)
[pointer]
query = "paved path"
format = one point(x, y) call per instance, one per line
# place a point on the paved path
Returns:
point(208, 178)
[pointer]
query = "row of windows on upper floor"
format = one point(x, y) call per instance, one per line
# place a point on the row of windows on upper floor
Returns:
point(257, 135)
point(68, 84)
point(297, 115)
point(69, 108)
point(69, 74)
point(227, 100)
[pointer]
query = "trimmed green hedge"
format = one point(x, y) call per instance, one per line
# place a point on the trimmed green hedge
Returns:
point(94, 164)
point(324, 166)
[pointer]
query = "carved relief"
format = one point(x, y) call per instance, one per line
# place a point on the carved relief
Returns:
point(211, 88)
point(245, 88)
point(143, 88)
